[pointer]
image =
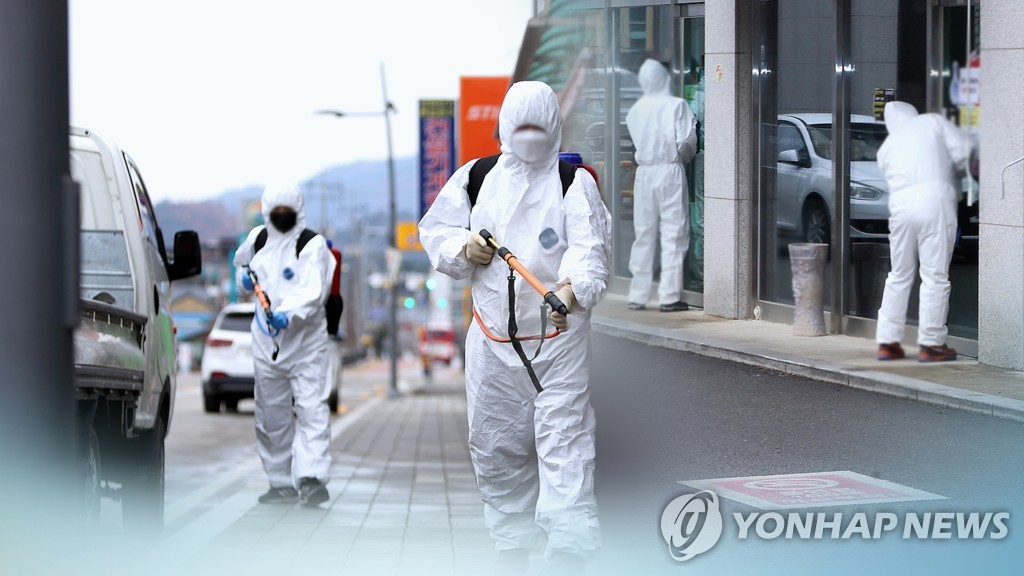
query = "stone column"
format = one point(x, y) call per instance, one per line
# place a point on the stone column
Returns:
point(728, 254)
point(1001, 258)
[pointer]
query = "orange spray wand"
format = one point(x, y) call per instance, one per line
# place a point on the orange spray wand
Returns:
point(264, 302)
point(532, 280)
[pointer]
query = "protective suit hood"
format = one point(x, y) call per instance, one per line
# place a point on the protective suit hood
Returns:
point(654, 79)
point(288, 196)
point(531, 103)
point(896, 115)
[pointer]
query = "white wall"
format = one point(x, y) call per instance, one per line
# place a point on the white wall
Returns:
point(1001, 259)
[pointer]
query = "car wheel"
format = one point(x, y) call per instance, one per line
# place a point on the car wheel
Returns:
point(211, 403)
point(817, 226)
point(231, 405)
point(332, 402)
point(143, 502)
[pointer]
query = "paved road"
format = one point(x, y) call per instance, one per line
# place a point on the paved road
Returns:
point(666, 416)
point(209, 455)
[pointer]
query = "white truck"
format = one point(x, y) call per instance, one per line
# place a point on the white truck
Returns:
point(124, 346)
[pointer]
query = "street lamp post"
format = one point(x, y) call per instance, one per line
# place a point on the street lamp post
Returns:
point(388, 110)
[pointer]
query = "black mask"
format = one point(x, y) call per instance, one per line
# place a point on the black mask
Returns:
point(284, 221)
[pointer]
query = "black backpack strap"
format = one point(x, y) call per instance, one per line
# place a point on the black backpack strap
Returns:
point(304, 237)
point(567, 173)
point(479, 171)
point(261, 241)
point(477, 174)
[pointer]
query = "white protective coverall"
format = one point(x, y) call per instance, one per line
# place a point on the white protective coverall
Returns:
point(291, 450)
point(920, 159)
point(664, 132)
point(533, 453)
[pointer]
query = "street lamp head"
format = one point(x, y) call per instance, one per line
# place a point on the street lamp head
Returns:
point(339, 114)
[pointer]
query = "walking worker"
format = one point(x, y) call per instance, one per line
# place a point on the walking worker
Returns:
point(921, 159)
point(664, 132)
point(290, 348)
point(533, 452)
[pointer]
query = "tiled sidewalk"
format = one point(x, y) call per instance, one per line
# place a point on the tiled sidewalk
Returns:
point(403, 501)
point(964, 384)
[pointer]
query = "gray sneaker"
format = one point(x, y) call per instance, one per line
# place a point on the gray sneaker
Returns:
point(312, 492)
point(280, 496)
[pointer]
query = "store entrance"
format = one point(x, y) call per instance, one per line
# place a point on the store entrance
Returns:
point(818, 133)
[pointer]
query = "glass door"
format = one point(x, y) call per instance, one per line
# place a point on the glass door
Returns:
point(953, 91)
point(690, 61)
point(793, 90)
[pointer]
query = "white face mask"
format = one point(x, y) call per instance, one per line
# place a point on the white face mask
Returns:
point(530, 146)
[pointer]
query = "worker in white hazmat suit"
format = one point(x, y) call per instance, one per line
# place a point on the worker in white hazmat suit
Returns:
point(533, 452)
point(664, 132)
point(292, 364)
point(920, 159)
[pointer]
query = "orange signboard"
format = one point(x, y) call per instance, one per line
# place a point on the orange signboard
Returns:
point(480, 100)
point(407, 236)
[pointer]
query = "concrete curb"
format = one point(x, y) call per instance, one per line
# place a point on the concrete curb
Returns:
point(870, 380)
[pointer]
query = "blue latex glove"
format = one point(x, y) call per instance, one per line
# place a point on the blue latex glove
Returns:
point(247, 283)
point(278, 321)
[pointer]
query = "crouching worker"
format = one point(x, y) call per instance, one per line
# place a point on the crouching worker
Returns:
point(294, 268)
point(531, 439)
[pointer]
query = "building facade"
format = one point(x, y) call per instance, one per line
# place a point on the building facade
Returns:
point(787, 95)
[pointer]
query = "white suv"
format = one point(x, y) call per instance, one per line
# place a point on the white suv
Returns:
point(227, 368)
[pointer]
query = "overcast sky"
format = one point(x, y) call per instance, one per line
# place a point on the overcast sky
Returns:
point(208, 95)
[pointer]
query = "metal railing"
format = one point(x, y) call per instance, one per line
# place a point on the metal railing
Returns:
point(1002, 175)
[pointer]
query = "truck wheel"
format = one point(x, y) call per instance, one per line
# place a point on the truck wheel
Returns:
point(211, 404)
point(143, 501)
point(91, 487)
point(332, 402)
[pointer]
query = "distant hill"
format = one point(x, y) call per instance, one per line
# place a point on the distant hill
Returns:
point(357, 190)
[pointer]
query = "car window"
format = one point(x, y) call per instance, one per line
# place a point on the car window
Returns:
point(236, 322)
point(789, 137)
point(147, 215)
point(821, 139)
point(865, 140)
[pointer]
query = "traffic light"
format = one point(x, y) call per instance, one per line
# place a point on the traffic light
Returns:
point(431, 283)
point(410, 303)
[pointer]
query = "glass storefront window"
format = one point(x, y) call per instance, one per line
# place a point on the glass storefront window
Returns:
point(620, 40)
point(880, 54)
point(643, 33)
point(691, 61)
point(796, 100)
point(794, 94)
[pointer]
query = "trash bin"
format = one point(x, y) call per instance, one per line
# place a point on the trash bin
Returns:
point(871, 265)
point(807, 262)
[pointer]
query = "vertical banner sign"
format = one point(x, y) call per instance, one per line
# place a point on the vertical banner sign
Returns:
point(479, 104)
point(437, 148)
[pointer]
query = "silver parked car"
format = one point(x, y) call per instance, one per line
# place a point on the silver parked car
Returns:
point(804, 190)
